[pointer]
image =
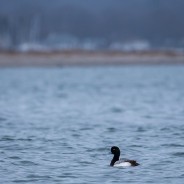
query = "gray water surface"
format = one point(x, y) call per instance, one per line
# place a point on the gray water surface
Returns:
point(58, 125)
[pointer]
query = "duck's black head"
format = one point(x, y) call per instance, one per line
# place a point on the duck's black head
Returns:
point(115, 150)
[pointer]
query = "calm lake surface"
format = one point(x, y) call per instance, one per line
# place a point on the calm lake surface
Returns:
point(58, 125)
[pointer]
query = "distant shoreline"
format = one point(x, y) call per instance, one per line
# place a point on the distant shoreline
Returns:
point(88, 58)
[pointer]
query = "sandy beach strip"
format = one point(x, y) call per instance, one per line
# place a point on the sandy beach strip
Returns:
point(88, 58)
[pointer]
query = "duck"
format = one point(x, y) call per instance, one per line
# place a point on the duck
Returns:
point(116, 162)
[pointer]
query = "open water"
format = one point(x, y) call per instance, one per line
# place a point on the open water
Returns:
point(58, 125)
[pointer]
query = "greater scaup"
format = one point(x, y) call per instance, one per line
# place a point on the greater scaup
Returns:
point(116, 162)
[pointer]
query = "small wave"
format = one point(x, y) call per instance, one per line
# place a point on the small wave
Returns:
point(24, 181)
point(62, 95)
point(86, 163)
point(10, 138)
point(140, 129)
point(178, 154)
point(68, 175)
point(101, 149)
point(182, 175)
point(111, 129)
point(15, 158)
point(2, 119)
point(76, 135)
point(7, 138)
point(165, 129)
point(28, 163)
point(38, 176)
point(148, 117)
point(137, 146)
point(24, 139)
point(86, 128)
point(173, 145)
point(116, 110)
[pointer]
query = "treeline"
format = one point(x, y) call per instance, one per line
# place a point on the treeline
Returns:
point(158, 21)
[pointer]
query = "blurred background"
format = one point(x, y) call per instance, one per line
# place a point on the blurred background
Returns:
point(125, 89)
point(91, 24)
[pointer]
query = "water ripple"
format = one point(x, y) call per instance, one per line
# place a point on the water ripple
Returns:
point(178, 154)
point(59, 127)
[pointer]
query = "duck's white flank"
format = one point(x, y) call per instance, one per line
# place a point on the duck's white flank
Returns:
point(122, 164)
